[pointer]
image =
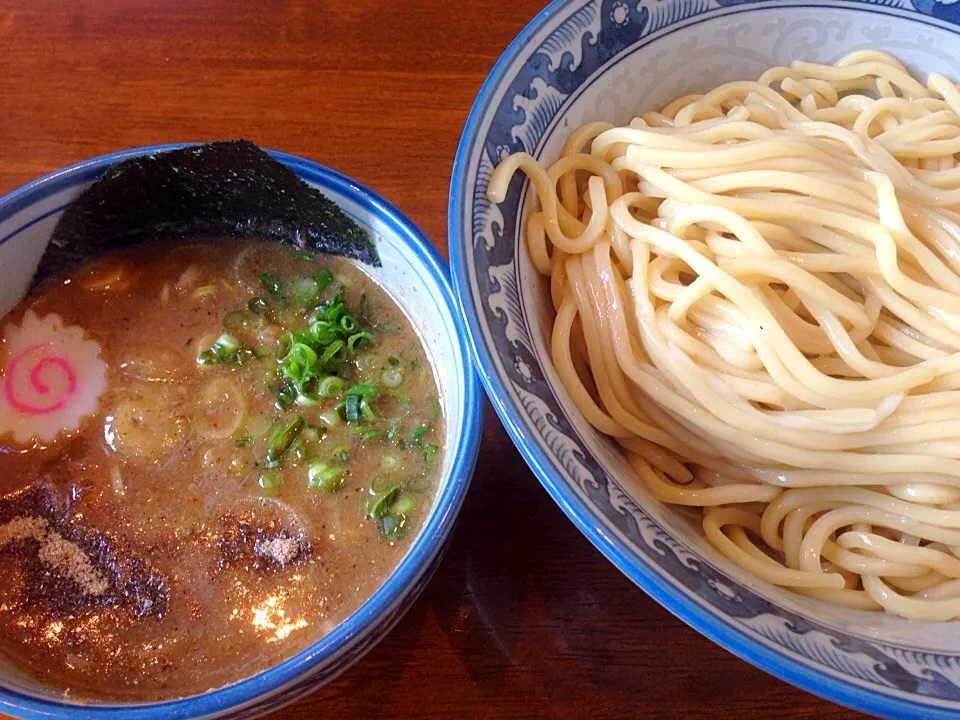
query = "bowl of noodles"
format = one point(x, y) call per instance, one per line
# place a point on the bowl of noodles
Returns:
point(708, 253)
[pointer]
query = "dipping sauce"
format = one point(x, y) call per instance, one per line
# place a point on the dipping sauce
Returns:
point(263, 440)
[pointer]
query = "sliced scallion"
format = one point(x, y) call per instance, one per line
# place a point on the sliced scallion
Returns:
point(226, 343)
point(306, 400)
point(351, 408)
point(364, 390)
point(429, 450)
point(270, 479)
point(204, 290)
point(392, 377)
point(234, 320)
point(419, 430)
point(358, 340)
point(330, 418)
point(330, 387)
point(376, 506)
point(366, 411)
point(284, 439)
point(326, 477)
point(366, 433)
point(331, 351)
point(389, 463)
point(274, 287)
point(402, 506)
point(257, 305)
point(306, 291)
point(323, 279)
point(393, 526)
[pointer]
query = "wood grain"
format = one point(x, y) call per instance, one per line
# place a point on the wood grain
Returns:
point(524, 618)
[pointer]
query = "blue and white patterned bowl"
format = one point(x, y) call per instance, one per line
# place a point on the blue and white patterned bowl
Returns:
point(415, 275)
point(581, 60)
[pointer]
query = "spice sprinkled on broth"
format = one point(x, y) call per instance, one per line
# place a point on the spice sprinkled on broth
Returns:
point(264, 442)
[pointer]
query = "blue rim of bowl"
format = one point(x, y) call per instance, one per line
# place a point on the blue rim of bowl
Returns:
point(426, 545)
point(713, 626)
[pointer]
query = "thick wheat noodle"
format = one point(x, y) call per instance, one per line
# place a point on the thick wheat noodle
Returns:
point(757, 294)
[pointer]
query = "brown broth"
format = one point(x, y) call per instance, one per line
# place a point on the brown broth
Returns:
point(171, 483)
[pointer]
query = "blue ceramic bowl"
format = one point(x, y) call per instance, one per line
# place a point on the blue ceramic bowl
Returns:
point(581, 60)
point(416, 276)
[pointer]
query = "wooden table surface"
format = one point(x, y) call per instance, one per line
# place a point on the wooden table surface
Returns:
point(524, 619)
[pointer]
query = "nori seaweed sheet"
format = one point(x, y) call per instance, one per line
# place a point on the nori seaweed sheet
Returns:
point(226, 188)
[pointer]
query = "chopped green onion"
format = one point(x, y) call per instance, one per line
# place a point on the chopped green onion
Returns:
point(274, 287)
point(311, 434)
point(376, 507)
point(270, 479)
point(351, 408)
point(413, 364)
point(284, 440)
point(366, 410)
point(226, 350)
point(204, 290)
point(367, 433)
point(306, 290)
point(286, 395)
point(364, 390)
point(392, 377)
point(234, 320)
point(285, 344)
point(348, 323)
point(331, 351)
point(242, 441)
point(227, 343)
point(304, 400)
point(429, 450)
point(393, 359)
point(330, 418)
point(303, 256)
point(340, 453)
point(394, 429)
point(257, 305)
point(402, 506)
point(322, 278)
point(389, 510)
point(358, 340)
point(364, 307)
point(393, 527)
point(416, 483)
point(419, 430)
point(389, 463)
point(299, 353)
point(380, 484)
point(321, 475)
point(330, 387)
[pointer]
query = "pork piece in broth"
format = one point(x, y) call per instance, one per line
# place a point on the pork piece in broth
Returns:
point(210, 454)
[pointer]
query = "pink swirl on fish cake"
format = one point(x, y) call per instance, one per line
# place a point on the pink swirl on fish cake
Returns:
point(53, 377)
point(36, 383)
